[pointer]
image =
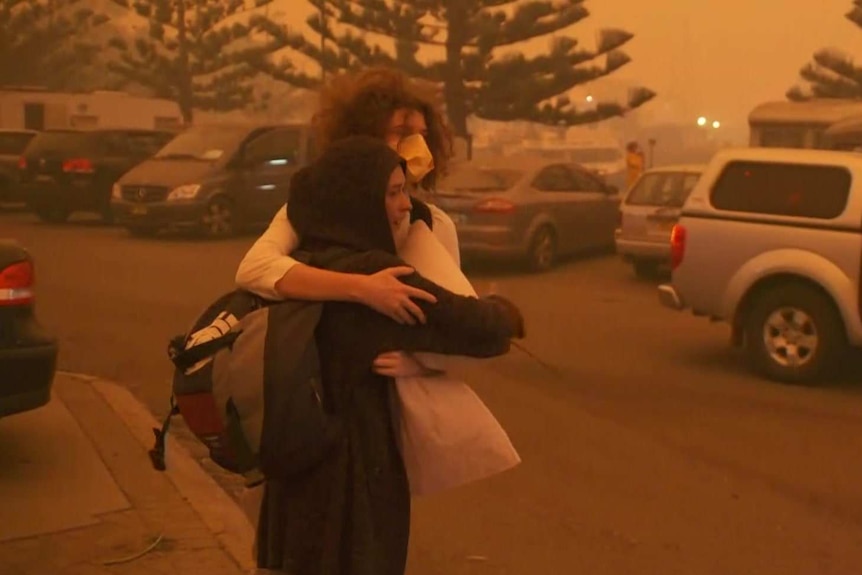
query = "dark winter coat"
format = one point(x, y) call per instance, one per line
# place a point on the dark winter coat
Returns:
point(351, 515)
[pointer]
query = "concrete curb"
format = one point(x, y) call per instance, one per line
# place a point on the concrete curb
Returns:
point(222, 516)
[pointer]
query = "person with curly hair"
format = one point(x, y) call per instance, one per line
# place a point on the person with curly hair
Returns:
point(386, 104)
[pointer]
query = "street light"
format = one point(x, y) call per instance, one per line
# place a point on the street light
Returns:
point(716, 124)
point(701, 121)
point(590, 99)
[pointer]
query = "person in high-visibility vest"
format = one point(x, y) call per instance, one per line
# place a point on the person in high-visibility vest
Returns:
point(635, 163)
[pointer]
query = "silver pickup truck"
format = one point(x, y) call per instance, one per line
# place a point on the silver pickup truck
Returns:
point(770, 241)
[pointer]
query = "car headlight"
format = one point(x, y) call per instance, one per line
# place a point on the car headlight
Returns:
point(185, 192)
point(117, 192)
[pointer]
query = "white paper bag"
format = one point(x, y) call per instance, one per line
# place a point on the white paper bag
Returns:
point(448, 436)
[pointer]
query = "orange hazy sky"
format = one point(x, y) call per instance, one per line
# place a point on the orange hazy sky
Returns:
point(722, 57)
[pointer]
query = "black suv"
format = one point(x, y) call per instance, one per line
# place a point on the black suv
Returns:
point(64, 171)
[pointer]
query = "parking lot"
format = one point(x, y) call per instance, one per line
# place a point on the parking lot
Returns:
point(648, 447)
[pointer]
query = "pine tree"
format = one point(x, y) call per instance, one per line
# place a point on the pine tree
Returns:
point(832, 73)
point(42, 42)
point(195, 53)
point(475, 78)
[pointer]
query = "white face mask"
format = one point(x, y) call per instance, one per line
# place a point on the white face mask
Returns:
point(418, 157)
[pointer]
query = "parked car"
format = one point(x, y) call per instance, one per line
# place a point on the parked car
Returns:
point(536, 211)
point(28, 354)
point(213, 178)
point(648, 212)
point(769, 241)
point(65, 171)
point(12, 144)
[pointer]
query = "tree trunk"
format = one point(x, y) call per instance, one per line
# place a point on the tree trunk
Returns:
point(185, 97)
point(455, 92)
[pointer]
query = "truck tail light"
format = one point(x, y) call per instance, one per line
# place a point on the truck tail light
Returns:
point(678, 237)
point(16, 284)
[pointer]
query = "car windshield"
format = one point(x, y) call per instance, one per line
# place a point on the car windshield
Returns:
point(473, 179)
point(204, 143)
point(13, 143)
point(595, 155)
point(665, 189)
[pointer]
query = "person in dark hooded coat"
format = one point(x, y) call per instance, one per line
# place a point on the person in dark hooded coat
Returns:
point(351, 514)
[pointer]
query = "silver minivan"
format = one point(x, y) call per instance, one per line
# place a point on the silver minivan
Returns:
point(649, 211)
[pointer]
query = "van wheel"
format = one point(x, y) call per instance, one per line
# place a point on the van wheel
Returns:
point(543, 250)
point(219, 220)
point(794, 334)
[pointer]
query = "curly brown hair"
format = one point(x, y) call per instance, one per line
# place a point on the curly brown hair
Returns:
point(362, 104)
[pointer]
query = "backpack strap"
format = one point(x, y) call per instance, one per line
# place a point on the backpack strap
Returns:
point(183, 358)
point(157, 453)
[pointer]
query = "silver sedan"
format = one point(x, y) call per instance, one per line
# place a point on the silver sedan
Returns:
point(531, 210)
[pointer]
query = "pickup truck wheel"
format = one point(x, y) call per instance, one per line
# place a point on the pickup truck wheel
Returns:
point(794, 334)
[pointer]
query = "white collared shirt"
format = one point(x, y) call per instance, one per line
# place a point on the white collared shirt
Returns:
point(269, 258)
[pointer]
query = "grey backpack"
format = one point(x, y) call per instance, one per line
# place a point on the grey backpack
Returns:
point(247, 384)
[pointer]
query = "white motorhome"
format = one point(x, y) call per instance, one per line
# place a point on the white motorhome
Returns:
point(37, 109)
point(786, 124)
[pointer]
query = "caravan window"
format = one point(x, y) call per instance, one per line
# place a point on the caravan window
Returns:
point(782, 137)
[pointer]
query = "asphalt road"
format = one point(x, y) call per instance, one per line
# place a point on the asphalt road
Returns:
point(647, 446)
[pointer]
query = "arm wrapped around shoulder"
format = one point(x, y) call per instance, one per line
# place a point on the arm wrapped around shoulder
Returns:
point(460, 325)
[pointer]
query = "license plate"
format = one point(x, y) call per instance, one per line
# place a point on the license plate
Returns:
point(139, 210)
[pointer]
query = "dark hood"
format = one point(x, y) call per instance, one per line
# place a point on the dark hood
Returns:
point(339, 200)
